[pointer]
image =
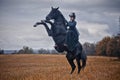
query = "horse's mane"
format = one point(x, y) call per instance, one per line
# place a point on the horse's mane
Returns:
point(62, 16)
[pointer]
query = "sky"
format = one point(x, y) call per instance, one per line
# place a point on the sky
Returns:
point(95, 20)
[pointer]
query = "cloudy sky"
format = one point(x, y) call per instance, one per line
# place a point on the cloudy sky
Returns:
point(95, 19)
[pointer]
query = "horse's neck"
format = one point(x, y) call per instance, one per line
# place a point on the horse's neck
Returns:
point(60, 20)
point(59, 30)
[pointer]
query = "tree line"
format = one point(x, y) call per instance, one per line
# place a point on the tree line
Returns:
point(109, 46)
point(27, 50)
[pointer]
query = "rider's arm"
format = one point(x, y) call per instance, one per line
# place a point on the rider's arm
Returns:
point(72, 24)
point(66, 24)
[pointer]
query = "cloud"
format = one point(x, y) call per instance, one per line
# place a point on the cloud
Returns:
point(26, 36)
point(94, 4)
point(92, 32)
point(95, 19)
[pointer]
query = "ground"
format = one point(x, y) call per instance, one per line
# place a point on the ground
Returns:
point(56, 67)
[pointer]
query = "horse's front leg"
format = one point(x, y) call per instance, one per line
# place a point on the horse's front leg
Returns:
point(38, 23)
point(47, 21)
point(46, 27)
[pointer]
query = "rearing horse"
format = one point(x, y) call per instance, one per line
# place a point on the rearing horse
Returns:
point(58, 32)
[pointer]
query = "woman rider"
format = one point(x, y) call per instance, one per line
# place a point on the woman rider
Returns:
point(72, 33)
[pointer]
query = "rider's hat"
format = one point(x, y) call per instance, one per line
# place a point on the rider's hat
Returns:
point(72, 14)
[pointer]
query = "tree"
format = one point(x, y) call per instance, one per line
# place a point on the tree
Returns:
point(44, 51)
point(26, 50)
point(47, 51)
point(109, 46)
point(89, 48)
point(113, 47)
point(1, 51)
point(102, 46)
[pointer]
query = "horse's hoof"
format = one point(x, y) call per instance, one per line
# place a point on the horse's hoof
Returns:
point(79, 71)
point(34, 26)
point(73, 69)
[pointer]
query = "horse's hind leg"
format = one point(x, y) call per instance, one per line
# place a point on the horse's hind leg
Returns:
point(70, 60)
point(72, 65)
point(78, 63)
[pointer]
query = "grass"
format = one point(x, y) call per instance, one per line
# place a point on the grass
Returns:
point(56, 67)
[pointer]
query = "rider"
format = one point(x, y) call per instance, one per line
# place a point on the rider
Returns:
point(72, 33)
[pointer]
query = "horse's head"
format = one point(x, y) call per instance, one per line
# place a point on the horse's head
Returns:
point(53, 14)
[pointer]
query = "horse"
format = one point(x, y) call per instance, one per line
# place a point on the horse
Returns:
point(58, 32)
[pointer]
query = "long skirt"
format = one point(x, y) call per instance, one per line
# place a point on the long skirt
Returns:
point(71, 40)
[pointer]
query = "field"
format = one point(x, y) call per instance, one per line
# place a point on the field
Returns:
point(56, 67)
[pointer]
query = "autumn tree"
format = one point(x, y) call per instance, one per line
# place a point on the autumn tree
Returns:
point(113, 47)
point(102, 46)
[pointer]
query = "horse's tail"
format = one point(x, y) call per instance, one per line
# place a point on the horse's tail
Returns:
point(84, 59)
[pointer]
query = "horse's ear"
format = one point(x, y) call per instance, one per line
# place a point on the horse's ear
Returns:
point(51, 7)
point(57, 8)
